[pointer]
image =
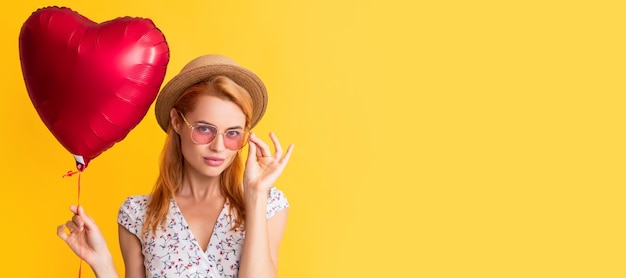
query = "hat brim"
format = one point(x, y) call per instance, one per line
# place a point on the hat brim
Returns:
point(177, 85)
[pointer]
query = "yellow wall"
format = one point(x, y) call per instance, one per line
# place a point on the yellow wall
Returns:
point(433, 138)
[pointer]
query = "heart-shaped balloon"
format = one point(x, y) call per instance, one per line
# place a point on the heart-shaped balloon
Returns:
point(91, 83)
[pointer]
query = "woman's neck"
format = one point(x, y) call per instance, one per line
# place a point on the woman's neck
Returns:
point(200, 187)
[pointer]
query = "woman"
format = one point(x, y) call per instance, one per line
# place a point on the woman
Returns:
point(207, 215)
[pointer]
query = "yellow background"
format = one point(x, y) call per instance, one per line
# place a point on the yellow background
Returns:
point(433, 138)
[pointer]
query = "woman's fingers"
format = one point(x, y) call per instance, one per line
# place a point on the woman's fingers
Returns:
point(285, 159)
point(73, 227)
point(263, 149)
point(78, 220)
point(279, 149)
point(82, 219)
point(89, 223)
point(61, 232)
point(252, 149)
point(255, 148)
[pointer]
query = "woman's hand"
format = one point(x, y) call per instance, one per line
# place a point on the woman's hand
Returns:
point(262, 167)
point(87, 242)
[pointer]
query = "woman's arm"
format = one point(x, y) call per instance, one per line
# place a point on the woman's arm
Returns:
point(263, 237)
point(131, 252)
point(87, 242)
point(259, 257)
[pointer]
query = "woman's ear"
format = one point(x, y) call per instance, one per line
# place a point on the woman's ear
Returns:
point(175, 120)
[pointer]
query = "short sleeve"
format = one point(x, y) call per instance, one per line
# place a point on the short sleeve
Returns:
point(132, 214)
point(276, 202)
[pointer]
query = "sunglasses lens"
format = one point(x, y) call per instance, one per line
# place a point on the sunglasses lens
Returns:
point(203, 134)
point(235, 139)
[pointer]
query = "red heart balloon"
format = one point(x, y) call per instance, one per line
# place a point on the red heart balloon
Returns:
point(91, 83)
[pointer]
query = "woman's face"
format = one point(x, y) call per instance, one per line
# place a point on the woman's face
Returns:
point(210, 159)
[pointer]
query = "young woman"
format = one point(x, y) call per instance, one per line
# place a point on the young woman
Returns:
point(208, 215)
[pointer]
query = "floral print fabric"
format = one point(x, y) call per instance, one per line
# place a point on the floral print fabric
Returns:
point(174, 252)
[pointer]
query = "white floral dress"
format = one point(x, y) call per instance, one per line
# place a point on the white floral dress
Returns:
point(174, 252)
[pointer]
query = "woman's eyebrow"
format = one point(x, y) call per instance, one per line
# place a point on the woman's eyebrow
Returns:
point(207, 123)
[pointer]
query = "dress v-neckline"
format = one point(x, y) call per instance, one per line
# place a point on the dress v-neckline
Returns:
point(190, 232)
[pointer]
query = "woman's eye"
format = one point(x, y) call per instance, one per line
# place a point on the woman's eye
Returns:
point(205, 129)
point(233, 133)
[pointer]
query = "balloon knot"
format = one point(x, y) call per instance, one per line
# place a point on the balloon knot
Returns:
point(70, 173)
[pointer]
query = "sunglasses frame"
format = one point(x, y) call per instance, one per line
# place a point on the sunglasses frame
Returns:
point(246, 134)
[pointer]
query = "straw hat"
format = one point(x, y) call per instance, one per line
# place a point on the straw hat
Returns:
point(202, 68)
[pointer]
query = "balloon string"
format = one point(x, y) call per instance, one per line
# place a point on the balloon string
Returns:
point(80, 239)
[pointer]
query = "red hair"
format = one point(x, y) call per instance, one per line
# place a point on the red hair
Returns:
point(171, 172)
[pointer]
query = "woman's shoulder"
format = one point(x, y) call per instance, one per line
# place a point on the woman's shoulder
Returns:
point(137, 199)
point(135, 203)
point(132, 213)
point(276, 201)
point(276, 195)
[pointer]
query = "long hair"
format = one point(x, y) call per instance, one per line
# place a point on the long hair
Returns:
point(170, 178)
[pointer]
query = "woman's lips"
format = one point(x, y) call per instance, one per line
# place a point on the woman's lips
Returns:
point(213, 161)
